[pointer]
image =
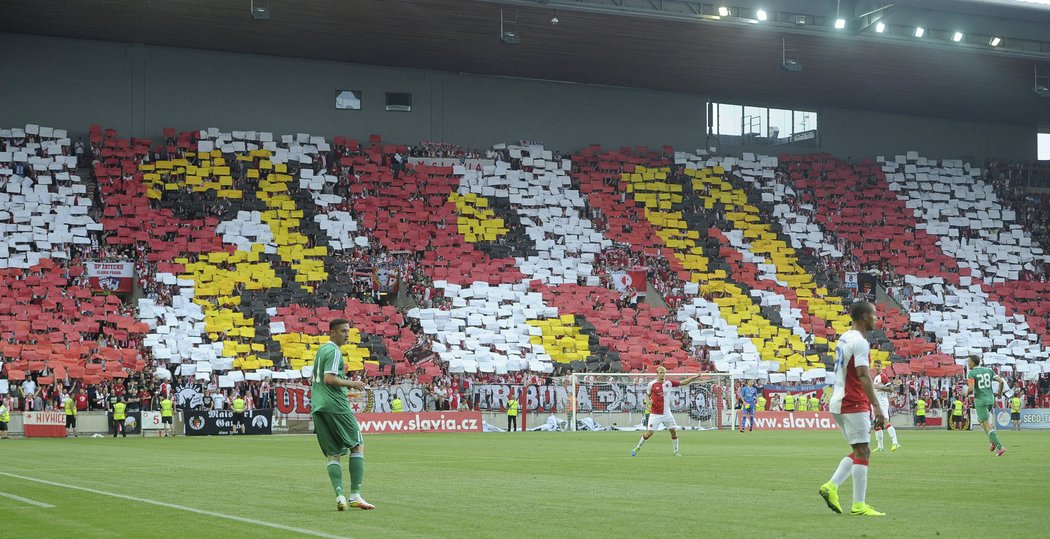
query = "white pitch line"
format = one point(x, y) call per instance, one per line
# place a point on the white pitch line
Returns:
point(27, 500)
point(175, 506)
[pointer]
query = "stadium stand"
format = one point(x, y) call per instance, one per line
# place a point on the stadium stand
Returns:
point(949, 301)
point(54, 327)
point(245, 243)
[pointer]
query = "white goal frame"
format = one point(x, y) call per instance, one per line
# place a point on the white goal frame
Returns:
point(632, 404)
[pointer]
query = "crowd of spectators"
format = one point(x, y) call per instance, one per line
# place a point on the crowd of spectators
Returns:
point(1031, 210)
point(142, 389)
point(441, 150)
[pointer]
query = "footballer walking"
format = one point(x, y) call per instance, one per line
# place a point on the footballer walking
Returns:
point(852, 399)
point(883, 389)
point(979, 382)
point(334, 423)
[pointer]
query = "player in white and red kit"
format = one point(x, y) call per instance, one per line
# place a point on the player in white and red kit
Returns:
point(658, 391)
point(883, 388)
point(853, 401)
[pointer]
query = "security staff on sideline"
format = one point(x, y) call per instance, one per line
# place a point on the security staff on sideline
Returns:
point(5, 418)
point(119, 415)
point(1015, 412)
point(71, 414)
point(167, 409)
point(238, 414)
point(512, 414)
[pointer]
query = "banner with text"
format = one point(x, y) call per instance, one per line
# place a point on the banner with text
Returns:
point(293, 400)
point(212, 422)
point(111, 276)
point(697, 400)
point(795, 421)
point(1031, 418)
point(44, 424)
point(420, 422)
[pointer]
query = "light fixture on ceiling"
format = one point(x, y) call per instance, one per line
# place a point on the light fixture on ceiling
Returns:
point(723, 11)
point(880, 28)
point(920, 31)
point(761, 15)
point(840, 24)
point(995, 41)
point(957, 37)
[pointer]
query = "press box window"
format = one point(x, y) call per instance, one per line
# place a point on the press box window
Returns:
point(398, 102)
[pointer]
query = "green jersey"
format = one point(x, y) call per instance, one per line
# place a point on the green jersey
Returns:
point(324, 398)
point(982, 383)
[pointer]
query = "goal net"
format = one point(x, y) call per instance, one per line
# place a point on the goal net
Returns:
point(604, 401)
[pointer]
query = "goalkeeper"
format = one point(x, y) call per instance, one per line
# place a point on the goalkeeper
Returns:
point(748, 396)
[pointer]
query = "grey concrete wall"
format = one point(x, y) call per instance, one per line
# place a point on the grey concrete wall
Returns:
point(858, 134)
point(140, 90)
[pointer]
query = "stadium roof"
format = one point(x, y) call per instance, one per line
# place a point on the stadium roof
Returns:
point(729, 62)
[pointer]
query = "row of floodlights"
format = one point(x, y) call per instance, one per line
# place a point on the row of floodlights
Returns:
point(880, 27)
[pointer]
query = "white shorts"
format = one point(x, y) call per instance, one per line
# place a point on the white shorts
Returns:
point(667, 420)
point(884, 403)
point(855, 427)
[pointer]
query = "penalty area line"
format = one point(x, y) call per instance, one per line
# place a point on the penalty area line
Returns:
point(188, 509)
point(27, 500)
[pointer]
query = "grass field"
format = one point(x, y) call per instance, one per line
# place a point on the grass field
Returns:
point(535, 484)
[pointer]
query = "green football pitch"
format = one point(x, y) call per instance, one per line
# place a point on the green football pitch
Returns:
point(522, 485)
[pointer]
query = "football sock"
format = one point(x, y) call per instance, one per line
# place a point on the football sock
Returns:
point(878, 437)
point(860, 480)
point(675, 444)
point(842, 472)
point(335, 474)
point(641, 442)
point(357, 472)
point(994, 437)
point(893, 434)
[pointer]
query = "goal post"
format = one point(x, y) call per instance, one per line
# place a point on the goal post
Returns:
point(601, 401)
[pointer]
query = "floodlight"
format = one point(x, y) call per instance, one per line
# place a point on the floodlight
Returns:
point(761, 15)
point(919, 31)
point(840, 24)
point(957, 37)
point(723, 11)
point(995, 41)
point(880, 28)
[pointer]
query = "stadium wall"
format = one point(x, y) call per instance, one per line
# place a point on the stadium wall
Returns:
point(140, 89)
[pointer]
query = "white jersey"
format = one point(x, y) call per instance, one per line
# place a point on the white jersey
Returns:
point(883, 394)
point(848, 396)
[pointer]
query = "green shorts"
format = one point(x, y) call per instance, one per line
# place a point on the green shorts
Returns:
point(984, 409)
point(336, 433)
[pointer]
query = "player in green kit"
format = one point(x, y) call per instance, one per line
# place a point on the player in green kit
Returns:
point(334, 423)
point(979, 382)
